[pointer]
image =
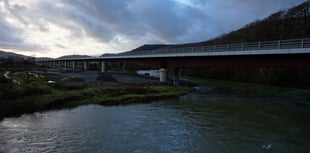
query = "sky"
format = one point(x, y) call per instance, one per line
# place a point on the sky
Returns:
point(53, 28)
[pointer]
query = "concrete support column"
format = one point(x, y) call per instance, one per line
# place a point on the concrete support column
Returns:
point(177, 76)
point(73, 65)
point(85, 65)
point(104, 67)
point(58, 64)
point(163, 75)
point(123, 66)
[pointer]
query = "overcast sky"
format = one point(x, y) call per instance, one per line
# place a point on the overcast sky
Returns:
point(62, 27)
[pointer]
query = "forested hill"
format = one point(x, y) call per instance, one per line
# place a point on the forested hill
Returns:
point(285, 24)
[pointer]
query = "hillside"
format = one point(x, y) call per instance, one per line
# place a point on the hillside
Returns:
point(5, 55)
point(147, 47)
point(285, 24)
point(73, 56)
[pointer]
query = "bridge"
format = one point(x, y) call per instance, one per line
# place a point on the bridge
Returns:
point(279, 53)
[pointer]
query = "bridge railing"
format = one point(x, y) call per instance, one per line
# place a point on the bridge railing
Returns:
point(265, 45)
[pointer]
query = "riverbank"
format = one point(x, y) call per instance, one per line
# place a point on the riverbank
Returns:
point(38, 93)
point(284, 95)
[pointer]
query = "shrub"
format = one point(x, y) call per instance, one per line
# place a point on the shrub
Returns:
point(71, 85)
point(75, 79)
point(14, 91)
point(36, 89)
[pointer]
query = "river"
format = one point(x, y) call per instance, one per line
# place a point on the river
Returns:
point(221, 118)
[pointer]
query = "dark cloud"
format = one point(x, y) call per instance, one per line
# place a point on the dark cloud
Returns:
point(9, 39)
point(11, 36)
point(15, 10)
point(227, 15)
point(22, 47)
point(8, 33)
point(166, 20)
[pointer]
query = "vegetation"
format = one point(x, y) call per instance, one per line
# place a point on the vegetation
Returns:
point(34, 93)
point(287, 77)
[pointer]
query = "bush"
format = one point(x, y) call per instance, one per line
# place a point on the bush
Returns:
point(36, 89)
point(75, 79)
point(14, 91)
point(71, 85)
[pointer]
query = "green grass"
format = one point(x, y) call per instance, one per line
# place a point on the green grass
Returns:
point(111, 96)
point(35, 94)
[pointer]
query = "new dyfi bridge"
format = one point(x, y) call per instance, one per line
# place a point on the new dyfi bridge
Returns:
point(279, 53)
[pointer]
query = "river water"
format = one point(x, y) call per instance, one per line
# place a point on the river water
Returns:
point(234, 119)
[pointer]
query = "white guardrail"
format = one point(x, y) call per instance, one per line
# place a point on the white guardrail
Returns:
point(266, 45)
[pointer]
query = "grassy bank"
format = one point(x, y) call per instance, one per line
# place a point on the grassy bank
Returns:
point(248, 90)
point(35, 94)
point(284, 77)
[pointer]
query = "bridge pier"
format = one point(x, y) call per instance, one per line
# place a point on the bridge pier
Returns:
point(177, 76)
point(85, 65)
point(123, 66)
point(104, 67)
point(163, 75)
point(73, 65)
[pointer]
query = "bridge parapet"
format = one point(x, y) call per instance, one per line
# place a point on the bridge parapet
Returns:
point(265, 45)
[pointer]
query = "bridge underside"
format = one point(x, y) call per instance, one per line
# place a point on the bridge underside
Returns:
point(289, 60)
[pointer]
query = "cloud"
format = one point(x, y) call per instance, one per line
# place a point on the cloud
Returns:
point(18, 47)
point(15, 10)
point(7, 33)
point(59, 27)
point(11, 35)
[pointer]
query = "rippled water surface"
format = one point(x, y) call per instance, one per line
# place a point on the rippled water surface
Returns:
point(199, 122)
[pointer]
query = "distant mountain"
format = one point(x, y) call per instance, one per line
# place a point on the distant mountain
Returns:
point(73, 56)
point(43, 59)
point(147, 47)
point(151, 47)
point(107, 54)
point(4, 54)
